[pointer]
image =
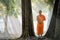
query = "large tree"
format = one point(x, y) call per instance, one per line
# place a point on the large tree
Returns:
point(11, 6)
point(51, 31)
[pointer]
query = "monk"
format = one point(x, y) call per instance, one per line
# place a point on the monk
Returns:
point(40, 24)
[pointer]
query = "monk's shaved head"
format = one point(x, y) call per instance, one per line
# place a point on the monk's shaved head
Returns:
point(40, 11)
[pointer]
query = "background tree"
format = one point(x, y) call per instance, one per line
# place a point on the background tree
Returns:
point(11, 8)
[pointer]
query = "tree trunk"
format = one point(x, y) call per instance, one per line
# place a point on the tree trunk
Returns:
point(27, 23)
point(51, 31)
point(6, 19)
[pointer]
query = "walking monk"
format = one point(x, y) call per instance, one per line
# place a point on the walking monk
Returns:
point(40, 24)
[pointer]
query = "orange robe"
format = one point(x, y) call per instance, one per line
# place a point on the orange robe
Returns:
point(40, 26)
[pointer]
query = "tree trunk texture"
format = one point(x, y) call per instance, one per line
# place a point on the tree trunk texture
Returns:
point(27, 22)
point(51, 31)
point(6, 20)
point(57, 29)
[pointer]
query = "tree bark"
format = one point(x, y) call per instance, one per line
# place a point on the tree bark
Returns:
point(27, 23)
point(6, 20)
point(51, 31)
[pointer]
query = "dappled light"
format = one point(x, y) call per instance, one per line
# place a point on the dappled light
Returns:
point(10, 19)
point(47, 10)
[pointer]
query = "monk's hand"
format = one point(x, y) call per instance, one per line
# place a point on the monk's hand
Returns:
point(40, 21)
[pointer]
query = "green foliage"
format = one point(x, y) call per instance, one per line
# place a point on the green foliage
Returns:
point(13, 8)
point(50, 1)
point(11, 5)
point(5, 2)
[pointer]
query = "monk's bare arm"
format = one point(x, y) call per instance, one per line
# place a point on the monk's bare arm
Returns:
point(44, 18)
point(37, 18)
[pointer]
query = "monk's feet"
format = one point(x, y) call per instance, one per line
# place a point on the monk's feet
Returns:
point(41, 38)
